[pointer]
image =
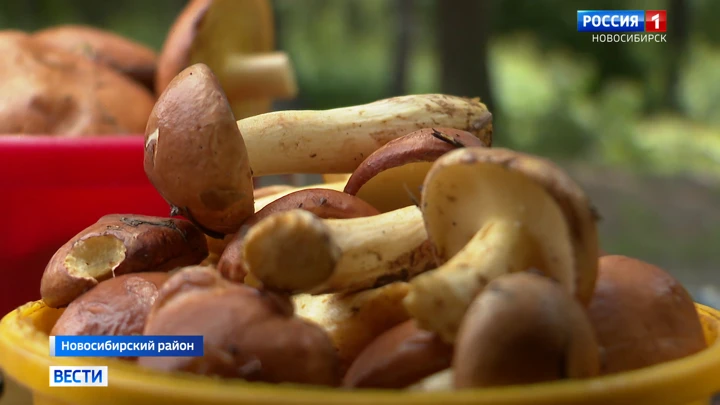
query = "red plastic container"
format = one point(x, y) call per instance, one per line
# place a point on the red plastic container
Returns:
point(51, 188)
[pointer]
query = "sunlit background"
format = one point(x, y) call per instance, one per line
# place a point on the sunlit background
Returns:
point(637, 124)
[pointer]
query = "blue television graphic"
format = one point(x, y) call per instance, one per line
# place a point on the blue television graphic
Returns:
point(78, 376)
point(611, 20)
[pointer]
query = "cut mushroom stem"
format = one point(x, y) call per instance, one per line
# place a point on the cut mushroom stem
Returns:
point(338, 140)
point(257, 76)
point(492, 212)
point(322, 202)
point(295, 251)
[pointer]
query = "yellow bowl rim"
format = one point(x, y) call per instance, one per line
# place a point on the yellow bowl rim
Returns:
point(683, 380)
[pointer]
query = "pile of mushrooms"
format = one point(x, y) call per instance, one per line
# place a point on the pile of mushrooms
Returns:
point(77, 80)
point(429, 260)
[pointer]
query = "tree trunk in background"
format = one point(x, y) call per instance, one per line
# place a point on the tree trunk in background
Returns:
point(678, 38)
point(405, 19)
point(463, 33)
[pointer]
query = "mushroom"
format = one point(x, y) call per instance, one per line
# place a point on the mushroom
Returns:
point(524, 328)
point(390, 178)
point(116, 245)
point(322, 202)
point(642, 316)
point(297, 252)
point(235, 39)
point(339, 139)
point(263, 197)
point(50, 91)
point(400, 357)
point(117, 306)
point(247, 333)
point(489, 212)
point(127, 57)
point(195, 155)
point(211, 183)
point(353, 321)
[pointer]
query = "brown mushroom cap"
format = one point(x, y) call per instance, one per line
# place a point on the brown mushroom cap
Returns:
point(391, 177)
point(642, 315)
point(50, 91)
point(117, 306)
point(247, 333)
point(122, 54)
point(195, 155)
point(523, 329)
point(211, 32)
point(398, 358)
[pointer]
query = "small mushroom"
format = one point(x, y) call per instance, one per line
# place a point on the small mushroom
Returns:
point(124, 55)
point(400, 357)
point(324, 203)
point(392, 176)
point(297, 252)
point(524, 328)
point(489, 212)
point(235, 39)
point(117, 306)
point(247, 333)
point(195, 155)
point(642, 315)
point(354, 320)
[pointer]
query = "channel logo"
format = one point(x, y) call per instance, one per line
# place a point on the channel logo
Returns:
point(74, 376)
point(622, 21)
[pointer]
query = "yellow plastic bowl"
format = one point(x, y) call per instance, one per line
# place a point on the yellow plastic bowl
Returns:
point(24, 357)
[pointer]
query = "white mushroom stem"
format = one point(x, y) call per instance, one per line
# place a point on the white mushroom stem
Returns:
point(295, 251)
point(500, 247)
point(338, 140)
point(265, 75)
point(354, 320)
